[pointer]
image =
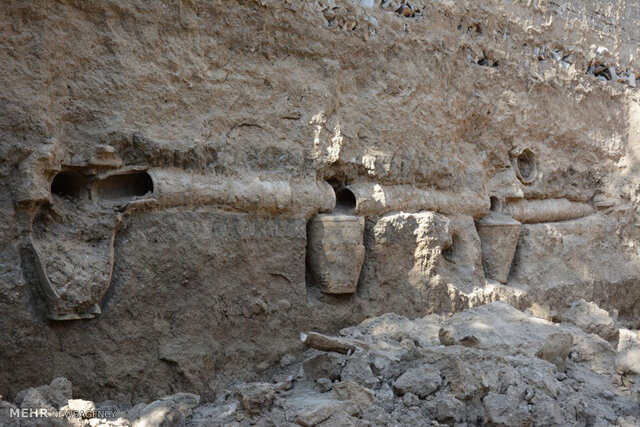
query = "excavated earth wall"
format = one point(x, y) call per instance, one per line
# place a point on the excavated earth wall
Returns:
point(162, 161)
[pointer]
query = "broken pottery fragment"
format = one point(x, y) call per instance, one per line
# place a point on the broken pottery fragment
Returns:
point(69, 255)
point(499, 238)
point(329, 343)
point(71, 251)
point(335, 252)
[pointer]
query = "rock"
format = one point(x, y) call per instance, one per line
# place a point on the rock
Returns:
point(108, 405)
point(324, 365)
point(324, 384)
point(421, 381)
point(628, 340)
point(160, 413)
point(508, 326)
point(507, 409)
point(359, 397)
point(385, 397)
point(358, 370)
point(134, 413)
point(287, 359)
point(410, 399)
point(406, 11)
point(374, 24)
point(342, 419)
point(628, 362)
point(286, 384)
point(57, 393)
point(85, 408)
point(5, 413)
point(556, 349)
point(346, 397)
point(601, 201)
point(446, 408)
point(167, 411)
point(60, 391)
point(185, 402)
point(314, 410)
point(31, 398)
point(546, 411)
point(255, 397)
point(592, 319)
point(327, 343)
point(629, 421)
point(213, 414)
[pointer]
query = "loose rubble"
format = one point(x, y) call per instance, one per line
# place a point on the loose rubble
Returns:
point(490, 365)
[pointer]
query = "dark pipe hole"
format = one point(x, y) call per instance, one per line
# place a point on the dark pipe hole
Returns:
point(345, 201)
point(449, 253)
point(69, 184)
point(526, 164)
point(123, 186)
point(495, 204)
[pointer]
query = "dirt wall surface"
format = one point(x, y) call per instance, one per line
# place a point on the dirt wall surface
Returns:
point(198, 139)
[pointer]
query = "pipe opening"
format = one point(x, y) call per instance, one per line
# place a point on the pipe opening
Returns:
point(526, 168)
point(126, 185)
point(450, 252)
point(69, 184)
point(345, 201)
point(495, 204)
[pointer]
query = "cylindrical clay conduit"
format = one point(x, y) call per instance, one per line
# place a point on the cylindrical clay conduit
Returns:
point(374, 199)
point(304, 197)
point(547, 210)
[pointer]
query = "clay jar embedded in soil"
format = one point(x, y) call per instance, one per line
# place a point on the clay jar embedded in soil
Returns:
point(335, 252)
point(499, 236)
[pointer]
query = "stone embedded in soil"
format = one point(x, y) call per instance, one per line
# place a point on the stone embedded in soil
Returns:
point(255, 397)
point(421, 381)
point(324, 365)
point(628, 362)
point(591, 318)
point(556, 349)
